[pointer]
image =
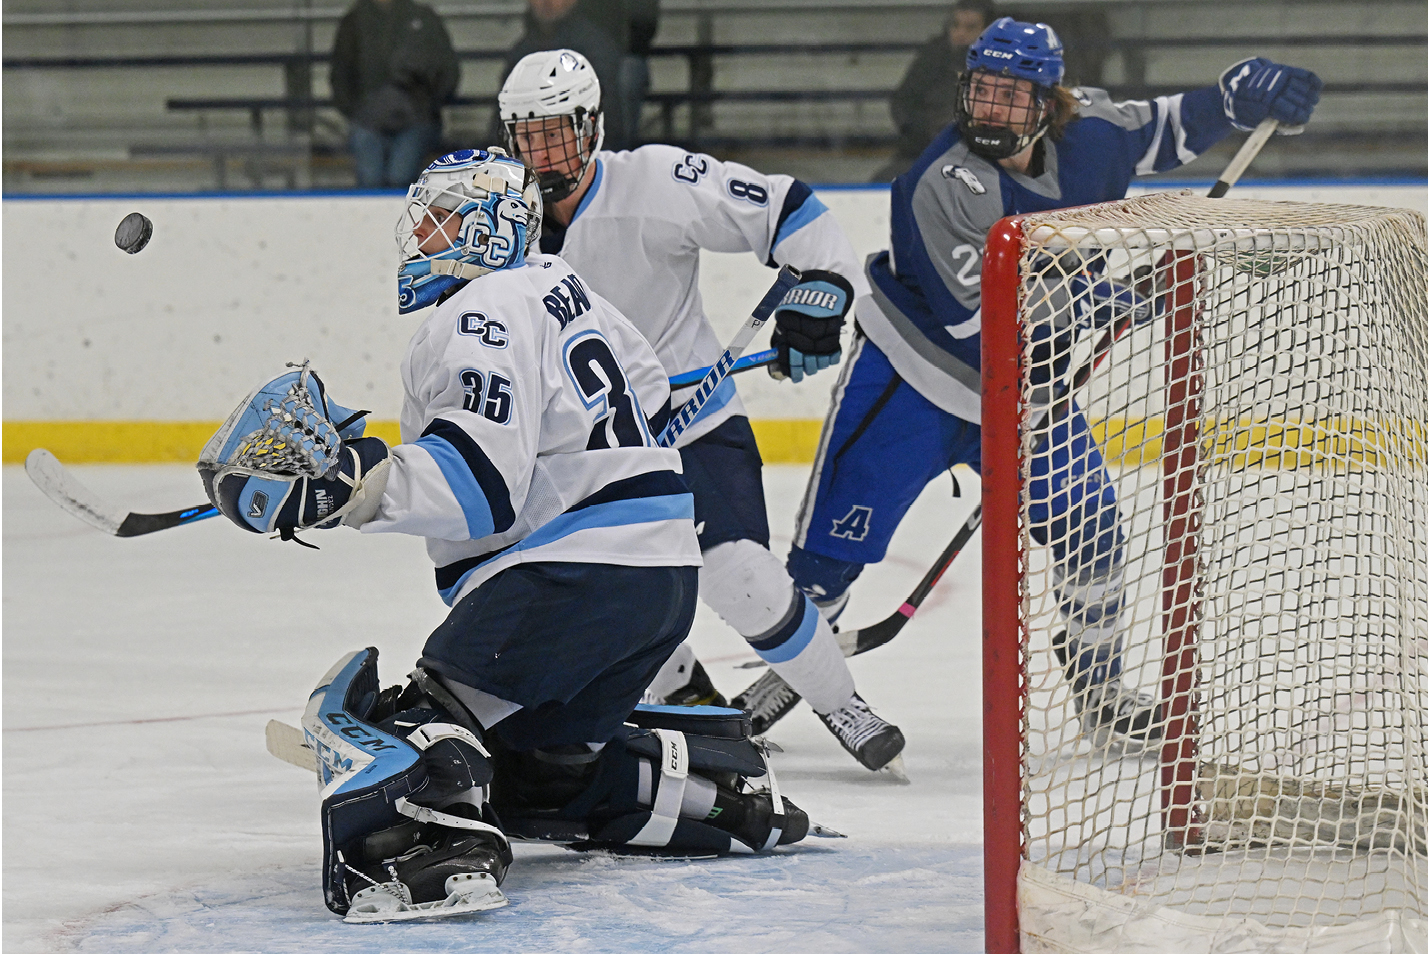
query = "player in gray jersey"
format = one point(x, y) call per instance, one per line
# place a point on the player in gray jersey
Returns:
point(633, 224)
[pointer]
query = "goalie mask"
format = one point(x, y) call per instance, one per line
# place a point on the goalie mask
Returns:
point(472, 212)
point(551, 118)
point(1004, 97)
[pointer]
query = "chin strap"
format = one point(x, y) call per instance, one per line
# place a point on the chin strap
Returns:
point(456, 269)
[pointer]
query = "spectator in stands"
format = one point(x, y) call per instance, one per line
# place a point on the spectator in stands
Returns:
point(392, 69)
point(923, 102)
point(632, 24)
point(586, 29)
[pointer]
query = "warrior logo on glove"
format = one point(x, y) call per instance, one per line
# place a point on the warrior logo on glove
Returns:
point(809, 321)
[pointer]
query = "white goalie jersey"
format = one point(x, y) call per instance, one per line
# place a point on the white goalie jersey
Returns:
point(637, 234)
point(529, 429)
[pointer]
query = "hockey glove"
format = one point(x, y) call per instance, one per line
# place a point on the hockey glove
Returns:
point(808, 323)
point(281, 464)
point(1258, 89)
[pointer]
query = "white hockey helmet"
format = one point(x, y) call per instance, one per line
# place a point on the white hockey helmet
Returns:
point(546, 94)
point(489, 209)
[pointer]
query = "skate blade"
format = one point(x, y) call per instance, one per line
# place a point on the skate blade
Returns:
point(896, 770)
point(823, 831)
point(752, 664)
point(472, 894)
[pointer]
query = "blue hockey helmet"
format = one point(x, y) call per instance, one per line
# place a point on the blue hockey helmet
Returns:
point(472, 212)
point(1030, 51)
point(1004, 97)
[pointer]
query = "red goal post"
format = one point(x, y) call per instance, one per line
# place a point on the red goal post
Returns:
point(1264, 433)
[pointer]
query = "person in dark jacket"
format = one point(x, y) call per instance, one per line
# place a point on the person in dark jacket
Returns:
point(632, 24)
point(392, 69)
point(923, 102)
point(566, 25)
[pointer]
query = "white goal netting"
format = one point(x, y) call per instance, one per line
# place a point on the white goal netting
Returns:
point(1248, 558)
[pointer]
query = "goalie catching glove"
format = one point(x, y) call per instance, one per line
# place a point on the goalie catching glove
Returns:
point(290, 459)
point(809, 322)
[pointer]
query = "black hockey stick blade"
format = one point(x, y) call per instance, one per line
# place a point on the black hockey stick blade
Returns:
point(74, 498)
point(857, 641)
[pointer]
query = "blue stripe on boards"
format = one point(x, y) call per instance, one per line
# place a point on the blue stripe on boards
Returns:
point(478, 485)
point(791, 639)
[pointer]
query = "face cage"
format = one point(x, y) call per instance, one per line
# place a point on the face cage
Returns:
point(998, 141)
point(438, 207)
point(555, 184)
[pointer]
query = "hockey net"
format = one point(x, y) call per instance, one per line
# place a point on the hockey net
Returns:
point(1264, 428)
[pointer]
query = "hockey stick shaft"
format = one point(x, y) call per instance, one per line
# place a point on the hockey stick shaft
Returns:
point(756, 360)
point(858, 641)
point(58, 484)
point(1243, 158)
point(788, 276)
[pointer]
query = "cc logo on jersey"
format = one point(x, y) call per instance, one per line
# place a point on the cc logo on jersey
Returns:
point(691, 168)
point(489, 331)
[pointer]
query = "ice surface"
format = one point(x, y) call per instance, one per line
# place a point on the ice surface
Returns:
point(141, 811)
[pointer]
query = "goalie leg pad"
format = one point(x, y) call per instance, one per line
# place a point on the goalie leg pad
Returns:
point(402, 789)
point(658, 790)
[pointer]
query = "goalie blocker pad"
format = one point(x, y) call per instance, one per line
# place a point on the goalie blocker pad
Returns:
point(369, 776)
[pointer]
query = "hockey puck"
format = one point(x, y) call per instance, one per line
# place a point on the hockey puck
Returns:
point(133, 232)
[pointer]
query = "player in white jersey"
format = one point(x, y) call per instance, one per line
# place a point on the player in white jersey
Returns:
point(633, 224)
point(563, 538)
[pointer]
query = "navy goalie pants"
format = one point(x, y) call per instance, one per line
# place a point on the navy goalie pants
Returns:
point(575, 644)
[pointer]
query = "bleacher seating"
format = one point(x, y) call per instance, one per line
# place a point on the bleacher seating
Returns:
point(224, 99)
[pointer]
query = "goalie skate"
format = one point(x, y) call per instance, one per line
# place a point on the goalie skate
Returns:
point(461, 877)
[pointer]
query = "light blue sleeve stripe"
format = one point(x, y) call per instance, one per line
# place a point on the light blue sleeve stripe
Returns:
point(801, 637)
point(468, 493)
point(811, 209)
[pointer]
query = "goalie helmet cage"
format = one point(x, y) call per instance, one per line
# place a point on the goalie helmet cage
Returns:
point(1264, 433)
